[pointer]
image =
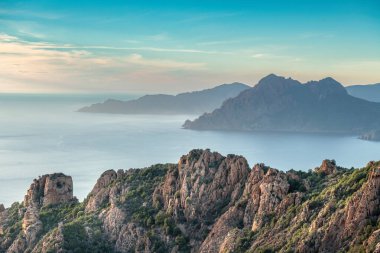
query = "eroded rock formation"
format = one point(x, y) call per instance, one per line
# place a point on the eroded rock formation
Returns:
point(45, 191)
point(205, 203)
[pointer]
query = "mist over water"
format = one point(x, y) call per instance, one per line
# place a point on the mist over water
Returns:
point(44, 134)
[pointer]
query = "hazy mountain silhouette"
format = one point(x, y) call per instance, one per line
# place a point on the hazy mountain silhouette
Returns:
point(196, 102)
point(280, 104)
point(370, 92)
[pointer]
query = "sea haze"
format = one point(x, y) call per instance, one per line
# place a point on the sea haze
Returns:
point(43, 133)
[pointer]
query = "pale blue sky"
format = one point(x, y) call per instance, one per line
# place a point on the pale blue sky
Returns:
point(172, 46)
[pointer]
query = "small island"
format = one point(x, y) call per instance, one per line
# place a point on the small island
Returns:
point(373, 135)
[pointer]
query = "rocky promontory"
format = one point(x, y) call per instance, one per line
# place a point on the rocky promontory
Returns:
point(206, 203)
point(282, 104)
point(196, 102)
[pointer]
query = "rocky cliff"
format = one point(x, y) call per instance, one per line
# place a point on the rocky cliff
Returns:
point(205, 203)
point(48, 190)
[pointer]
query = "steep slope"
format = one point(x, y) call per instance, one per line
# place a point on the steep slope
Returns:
point(205, 203)
point(279, 104)
point(196, 102)
point(370, 92)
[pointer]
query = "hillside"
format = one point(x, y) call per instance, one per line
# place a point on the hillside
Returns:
point(280, 104)
point(205, 203)
point(370, 92)
point(196, 102)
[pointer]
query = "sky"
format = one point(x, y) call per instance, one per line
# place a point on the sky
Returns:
point(174, 46)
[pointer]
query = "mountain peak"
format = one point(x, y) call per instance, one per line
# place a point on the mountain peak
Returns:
point(273, 81)
point(271, 77)
point(329, 79)
point(234, 84)
point(327, 86)
point(283, 104)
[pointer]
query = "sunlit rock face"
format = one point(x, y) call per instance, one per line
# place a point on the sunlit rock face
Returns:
point(47, 190)
point(50, 190)
point(327, 167)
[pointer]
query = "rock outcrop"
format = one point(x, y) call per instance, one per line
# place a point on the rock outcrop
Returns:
point(50, 190)
point(203, 185)
point(53, 189)
point(361, 210)
point(205, 203)
point(327, 167)
point(100, 194)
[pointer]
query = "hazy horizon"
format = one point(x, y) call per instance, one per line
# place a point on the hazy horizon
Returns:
point(116, 93)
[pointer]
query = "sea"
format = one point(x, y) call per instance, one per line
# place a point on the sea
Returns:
point(44, 133)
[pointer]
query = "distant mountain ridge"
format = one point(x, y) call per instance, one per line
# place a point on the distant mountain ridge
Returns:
point(370, 92)
point(196, 102)
point(283, 104)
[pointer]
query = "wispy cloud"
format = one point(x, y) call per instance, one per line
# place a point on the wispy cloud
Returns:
point(265, 56)
point(259, 56)
point(7, 38)
point(45, 66)
point(46, 45)
point(235, 41)
point(31, 34)
point(162, 63)
point(153, 49)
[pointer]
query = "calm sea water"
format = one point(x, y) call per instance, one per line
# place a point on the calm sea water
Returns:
point(42, 134)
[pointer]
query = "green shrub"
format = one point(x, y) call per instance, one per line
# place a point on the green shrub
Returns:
point(181, 241)
point(296, 185)
point(243, 243)
point(77, 239)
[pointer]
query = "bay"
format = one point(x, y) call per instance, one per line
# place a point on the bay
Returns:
point(43, 133)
